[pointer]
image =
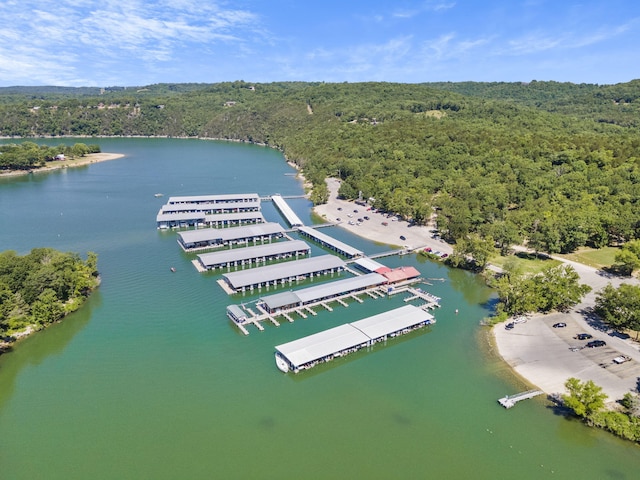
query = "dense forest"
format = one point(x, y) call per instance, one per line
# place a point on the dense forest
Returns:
point(43, 286)
point(554, 164)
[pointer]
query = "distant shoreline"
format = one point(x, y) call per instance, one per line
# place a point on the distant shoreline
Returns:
point(59, 164)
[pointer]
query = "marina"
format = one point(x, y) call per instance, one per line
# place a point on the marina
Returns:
point(282, 273)
point(239, 257)
point(201, 219)
point(202, 239)
point(307, 352)
point(284, 208)
point(330, 242)
point(213, 199)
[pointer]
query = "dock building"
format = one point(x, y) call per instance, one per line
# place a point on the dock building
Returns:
point(249, 255)
point(209, 208)
point(202, 239)
point(317, 293)
point(281, 273)
point(224, 198)
point(201, 219)
point(324, 346)
point(286, 211)
point(330, 242)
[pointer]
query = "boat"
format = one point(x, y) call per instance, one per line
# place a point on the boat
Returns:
point(158, 195)
point(173, 269)
point(281, 363)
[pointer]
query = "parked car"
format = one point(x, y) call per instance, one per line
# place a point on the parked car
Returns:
point(338, 219)
point(402, 237)
point(520, 319)
point(385, 223)
point(444, 255)
point(559, 325)
point(583, 336)
point(509, 326)
point(621, 359)
point(339, 208)
point(596, 343)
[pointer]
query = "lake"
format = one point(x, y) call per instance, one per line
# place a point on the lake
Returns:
point(151, 380)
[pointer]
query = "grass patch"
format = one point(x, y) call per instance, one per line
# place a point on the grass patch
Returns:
point(600, 258)
point(527, 263)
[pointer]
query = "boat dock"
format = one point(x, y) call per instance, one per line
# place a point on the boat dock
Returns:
point(331, 243)
point(284, 208)
point(307, 352)
point(509, 401)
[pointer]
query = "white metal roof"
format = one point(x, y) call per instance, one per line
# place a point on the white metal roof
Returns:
point(221, 217)
point(337, 244)
point(392, 321)
point(246, 253)
point(233, 233)
point(324, 290)
point(321, 344)
point(327, 342)
point(286, 210)
point(368, 264)
point(248, 197)
point(200, 207)
point(270, 273)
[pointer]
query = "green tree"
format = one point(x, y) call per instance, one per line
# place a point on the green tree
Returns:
point(620, 308)
point(584, 398)
point(628, 258)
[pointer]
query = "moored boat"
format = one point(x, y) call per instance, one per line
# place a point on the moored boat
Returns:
point(281, 363)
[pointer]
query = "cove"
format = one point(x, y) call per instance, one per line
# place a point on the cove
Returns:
point(150, 379)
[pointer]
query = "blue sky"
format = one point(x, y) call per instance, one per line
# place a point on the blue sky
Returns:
point(141, 42)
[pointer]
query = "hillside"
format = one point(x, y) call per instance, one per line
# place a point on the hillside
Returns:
point(556, 164)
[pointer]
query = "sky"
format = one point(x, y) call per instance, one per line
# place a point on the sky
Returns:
point(142, 42)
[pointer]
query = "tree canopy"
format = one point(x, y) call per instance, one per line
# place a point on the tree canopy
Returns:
point(43, 286)
point(556, 165)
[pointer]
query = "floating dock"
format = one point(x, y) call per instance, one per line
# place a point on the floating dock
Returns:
point(331, 243)
point(195, 240)
point(286, 211)
point(250, 255)
point(307, 352)
point(281, 273)
point(510, 400)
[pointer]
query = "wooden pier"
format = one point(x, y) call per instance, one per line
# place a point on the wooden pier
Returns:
point(510, 400)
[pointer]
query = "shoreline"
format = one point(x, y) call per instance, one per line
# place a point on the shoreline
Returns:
point(60, 164)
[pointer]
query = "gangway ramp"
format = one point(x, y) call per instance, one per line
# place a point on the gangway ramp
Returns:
point(509, 401)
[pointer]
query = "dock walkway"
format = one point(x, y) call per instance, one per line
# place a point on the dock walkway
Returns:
point(509, 401)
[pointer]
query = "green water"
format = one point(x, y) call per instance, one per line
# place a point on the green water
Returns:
point(150, 380)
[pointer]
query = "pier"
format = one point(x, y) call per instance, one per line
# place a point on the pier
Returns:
point(510, 400)
point(307, 352)
point(331, 243)
point(286, 211)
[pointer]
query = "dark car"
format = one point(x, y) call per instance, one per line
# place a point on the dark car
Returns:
point(339, 208)
point(402, 237)
point(596, 343)
point(559, 325)
point(509, 326)
point(583, 336)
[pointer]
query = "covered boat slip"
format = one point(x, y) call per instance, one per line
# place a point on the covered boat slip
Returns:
point(330, 242)
point(248, 255)
point(209, 208)
point(242, 280)
point(286, 211)
point(216, 237)
point(200, 219)
point(324, 346)
point(224, 198)
point(318, 293)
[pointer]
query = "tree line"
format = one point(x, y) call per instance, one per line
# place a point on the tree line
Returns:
point(42, 287)
point(28, 155)
point(553, 165)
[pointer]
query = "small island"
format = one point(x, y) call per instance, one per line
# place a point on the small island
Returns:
point(41, 288)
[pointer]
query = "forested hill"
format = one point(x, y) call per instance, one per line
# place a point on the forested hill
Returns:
point(556, 164)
